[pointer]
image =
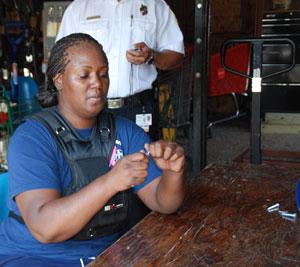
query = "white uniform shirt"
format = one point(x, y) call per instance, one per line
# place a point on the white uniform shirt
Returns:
point(117, 25)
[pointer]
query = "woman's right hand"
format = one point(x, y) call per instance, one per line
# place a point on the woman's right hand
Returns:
point(129, 171)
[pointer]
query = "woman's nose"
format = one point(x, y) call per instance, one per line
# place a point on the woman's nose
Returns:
point(96, 81)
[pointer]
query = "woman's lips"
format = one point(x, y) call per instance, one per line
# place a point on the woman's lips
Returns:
point(94, 99)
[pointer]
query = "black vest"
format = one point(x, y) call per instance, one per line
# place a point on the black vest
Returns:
point(88, 159)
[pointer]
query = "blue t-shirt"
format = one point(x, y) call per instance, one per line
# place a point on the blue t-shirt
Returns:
point(36, 162)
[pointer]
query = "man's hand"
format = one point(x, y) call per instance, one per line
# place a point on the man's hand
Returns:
point(139, 55)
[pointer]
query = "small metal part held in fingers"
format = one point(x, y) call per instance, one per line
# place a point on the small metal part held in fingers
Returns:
point(147, 152)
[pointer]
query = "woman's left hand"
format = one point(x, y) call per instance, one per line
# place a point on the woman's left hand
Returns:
point(168, 156)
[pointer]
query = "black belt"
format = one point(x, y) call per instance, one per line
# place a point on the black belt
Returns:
point(119, 102)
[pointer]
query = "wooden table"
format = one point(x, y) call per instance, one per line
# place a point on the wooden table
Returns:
point(224, 222)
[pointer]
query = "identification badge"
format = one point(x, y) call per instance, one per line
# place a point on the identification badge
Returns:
point(144, 120)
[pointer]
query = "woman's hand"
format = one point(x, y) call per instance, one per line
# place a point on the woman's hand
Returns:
point(168, 156)
point(129, 171)
point(166, 193)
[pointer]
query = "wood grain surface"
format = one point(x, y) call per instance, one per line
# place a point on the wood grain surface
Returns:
point(223, 222)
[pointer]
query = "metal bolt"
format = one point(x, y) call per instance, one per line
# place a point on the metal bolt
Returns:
point(198, 75)
point(198, 40)
point(289, 215)
point(199, 5)
point(273, 208)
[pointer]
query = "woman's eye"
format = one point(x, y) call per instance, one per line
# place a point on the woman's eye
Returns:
point(83, 76)
point(104, 75)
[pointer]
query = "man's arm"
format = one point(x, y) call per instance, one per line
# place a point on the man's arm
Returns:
point(67, 24)
point(167, 60)
point(163, 60)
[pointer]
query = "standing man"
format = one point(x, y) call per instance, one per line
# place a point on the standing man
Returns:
point(138, 36)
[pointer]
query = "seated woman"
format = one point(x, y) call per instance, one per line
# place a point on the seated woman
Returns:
point(74, 166)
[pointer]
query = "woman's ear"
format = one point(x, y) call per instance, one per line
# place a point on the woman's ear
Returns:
point(57, 80)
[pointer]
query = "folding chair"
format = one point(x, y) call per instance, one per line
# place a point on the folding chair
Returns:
point(222, 82)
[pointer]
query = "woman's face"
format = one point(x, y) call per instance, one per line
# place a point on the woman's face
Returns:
point(84, 84)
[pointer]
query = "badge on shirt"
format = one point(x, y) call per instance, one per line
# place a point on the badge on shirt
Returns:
point(116, 154)
point(144, 10)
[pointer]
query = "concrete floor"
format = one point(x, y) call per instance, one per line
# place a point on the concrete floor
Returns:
point(229, 140)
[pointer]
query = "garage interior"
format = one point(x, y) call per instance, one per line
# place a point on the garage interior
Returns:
point(234, 106)
point(200, 89)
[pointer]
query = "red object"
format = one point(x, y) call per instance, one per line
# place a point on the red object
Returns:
point(3, 117)
point(189, 49)
point(222, 82)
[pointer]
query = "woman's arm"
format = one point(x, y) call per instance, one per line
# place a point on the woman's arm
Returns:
point(52, 218)
point(166, 193)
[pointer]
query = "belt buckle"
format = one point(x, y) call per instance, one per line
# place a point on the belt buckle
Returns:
point(113, 103)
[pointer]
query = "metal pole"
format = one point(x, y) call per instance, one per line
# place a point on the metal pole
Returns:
point(200, 86)
point(255, 140)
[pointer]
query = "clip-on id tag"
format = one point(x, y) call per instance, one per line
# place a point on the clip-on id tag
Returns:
point(144, 121)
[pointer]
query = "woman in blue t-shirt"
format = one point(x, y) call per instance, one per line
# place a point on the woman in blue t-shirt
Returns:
point(73, 167)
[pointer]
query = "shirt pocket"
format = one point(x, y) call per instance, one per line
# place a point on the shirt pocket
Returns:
point(97, 28)
point(143, 31)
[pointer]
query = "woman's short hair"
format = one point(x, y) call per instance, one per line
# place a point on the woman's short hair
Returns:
point(48, 95)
